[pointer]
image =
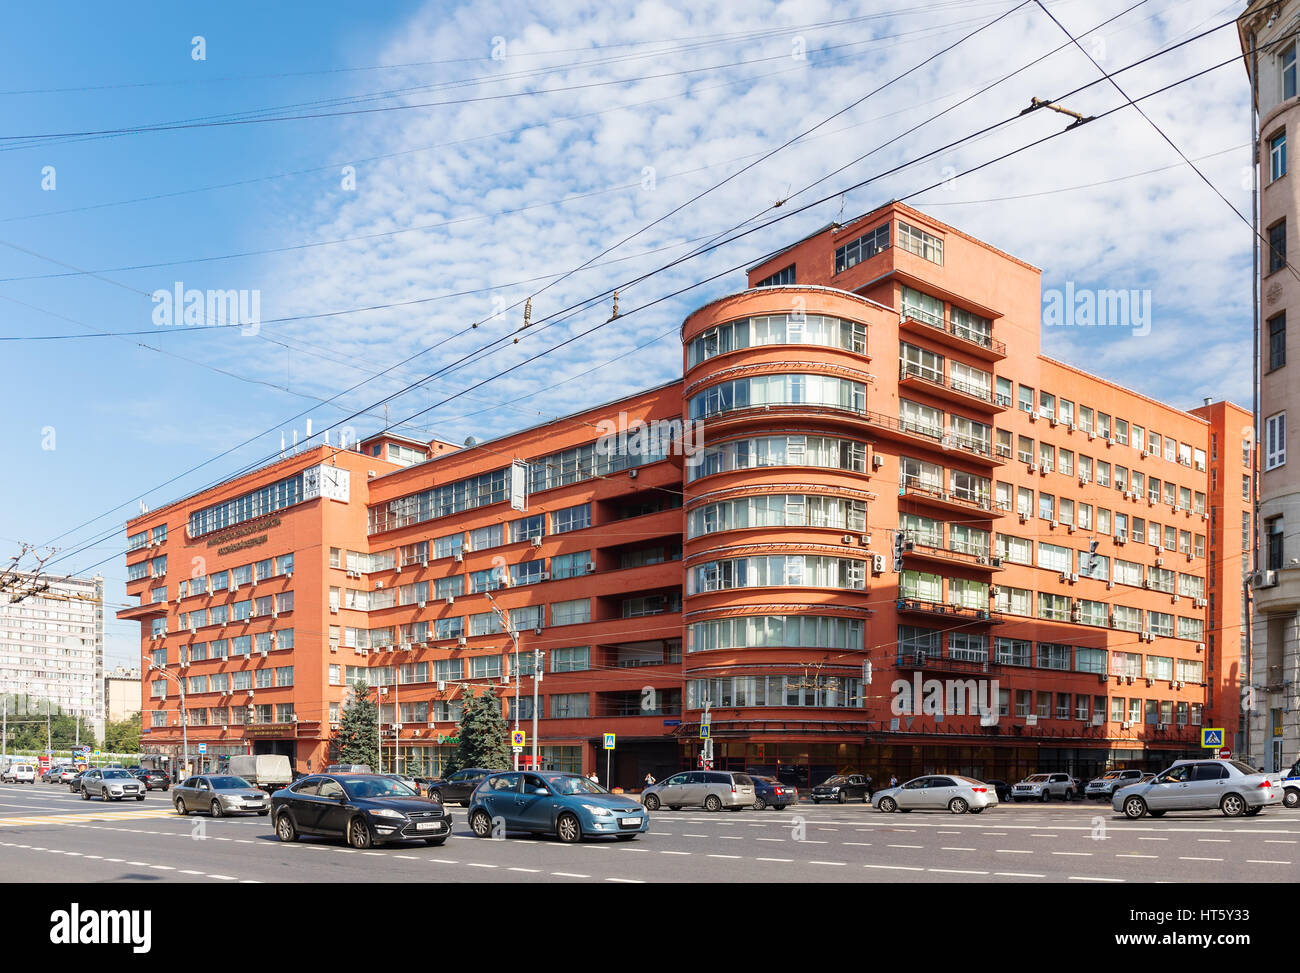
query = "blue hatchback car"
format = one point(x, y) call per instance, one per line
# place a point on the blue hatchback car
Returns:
point(568, 806)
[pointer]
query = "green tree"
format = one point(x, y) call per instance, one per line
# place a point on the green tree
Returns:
point(123, 737)
point(484, 735)
point(354, 742)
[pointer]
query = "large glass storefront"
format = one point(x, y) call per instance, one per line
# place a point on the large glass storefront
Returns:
point(432, 760)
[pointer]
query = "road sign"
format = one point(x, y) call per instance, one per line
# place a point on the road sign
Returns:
point(203, 748)
point(518, 739)
point(1225, 753)
point(1212, 737)
point(516, 749)
point(98, 754)
point(704, 731)
point(609, 741)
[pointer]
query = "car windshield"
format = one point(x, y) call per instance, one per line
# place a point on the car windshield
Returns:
point(575, 785)
point(1113, 775)
point(1036, 779)
point(835, 780)
point(115, 774)
point(228, 783)
point(375, 787)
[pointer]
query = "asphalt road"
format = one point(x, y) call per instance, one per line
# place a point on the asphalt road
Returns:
point(48, 834)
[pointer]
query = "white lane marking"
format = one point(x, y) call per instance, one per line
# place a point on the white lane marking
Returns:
point(1222, 841)
point(1279, 841)
point(1013, 851)
point(957, 871)
point(860, 844)
point(444, 861)
point(570, 875)
point(674, 852)
point(1080, 854)
point(784, 860)
point(1264, 861)
point(769, 839)
point(1087, 878)
point(906, 846)
point(224, 878)
point(190, 871)
point(515, 868)
point(407, 857)
point(631, 881)
point(956, 849)
point(897, 868)
point(1153, 839)
point(722, 856)
point(1137, 856)
point(480, 865)
point(827, 863)
point(1188, 858)
point(1020, 874)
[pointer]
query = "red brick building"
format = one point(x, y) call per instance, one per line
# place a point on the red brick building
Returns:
point(868, 498)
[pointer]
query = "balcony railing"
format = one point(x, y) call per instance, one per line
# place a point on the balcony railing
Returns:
point(987, 342)
point(924, 606)
point(938, 662)
point(934, 434)
point(916, 489)
point(909, 370)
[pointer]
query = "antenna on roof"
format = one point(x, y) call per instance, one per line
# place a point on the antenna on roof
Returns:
point(281, 444)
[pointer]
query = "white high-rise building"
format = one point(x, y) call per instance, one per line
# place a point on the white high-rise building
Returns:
point(52, 643)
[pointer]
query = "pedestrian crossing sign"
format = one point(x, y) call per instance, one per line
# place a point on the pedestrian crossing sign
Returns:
point(1212, 737)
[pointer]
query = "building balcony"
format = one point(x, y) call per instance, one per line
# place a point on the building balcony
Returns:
point(921, 551)
point(949, 389)
point(954, 336)
point(931, 437)
point(951, 500)
point(922, 661)
point(920, 606)
point(139, 613)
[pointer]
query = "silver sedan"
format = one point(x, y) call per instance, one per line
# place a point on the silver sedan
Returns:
point(219, 795)
point(956, 794)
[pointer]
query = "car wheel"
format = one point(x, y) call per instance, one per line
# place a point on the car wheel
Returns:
point(1134, 808)
point(958, 806)
point(1047, 796)
point(85, 795)
point(977, 810)
point(481, 823)
point(1291, 798)
point(843, 798)
point(215, 808)
point(284, 828)
point(180, 806)
point(262, 814)
point(759, 804)
point(1069, 795)
point(436, 796)
point(139, 797)
point(568, 829)
point(1156, 814)
point(674, 807)
point(651, 802)
point(164, 788)
point(816, 800)
point(1252, 811)
point(712, 803)
point(436, 842)
point(1232, 805)
point(358, 834)
point(888, 805)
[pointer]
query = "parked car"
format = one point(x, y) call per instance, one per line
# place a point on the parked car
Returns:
point(957, 794)
point(219, 795)
point(50, 775)
point(66, 773)
point(19, 774)
point(1044, 787)
point(1230, 786)
point(770, 792)
point(74, 784)
point(842, 788)
point(348, 769)
point(152, 779)
point(569, 806)
point(363, 809)
point(710, 789)
point(110, 784)
point(1103, 788)
point(457, 788)
point(1001, 788)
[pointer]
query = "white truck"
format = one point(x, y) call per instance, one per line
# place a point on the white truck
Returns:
point(267, 771)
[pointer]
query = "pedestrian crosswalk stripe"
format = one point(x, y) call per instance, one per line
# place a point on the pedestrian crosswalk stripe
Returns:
point(92, 818)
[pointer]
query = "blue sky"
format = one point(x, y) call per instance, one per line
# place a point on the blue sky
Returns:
point(499, 185)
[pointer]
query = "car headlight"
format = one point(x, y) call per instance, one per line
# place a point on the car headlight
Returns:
point(383, 812)
point(835, 790)
point(597, 810)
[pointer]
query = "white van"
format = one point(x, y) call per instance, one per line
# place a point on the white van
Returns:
point(19, 774)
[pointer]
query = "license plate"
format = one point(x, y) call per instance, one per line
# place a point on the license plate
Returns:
point(628, 822)
point(428, 825)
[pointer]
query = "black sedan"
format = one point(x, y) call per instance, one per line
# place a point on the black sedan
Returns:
point(457, 788)
point(363, 809)
point(770, 792)
point(74, 785)
point(152, 779)
point(1003, 790)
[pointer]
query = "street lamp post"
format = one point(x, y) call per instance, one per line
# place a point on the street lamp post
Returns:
point(185, 728)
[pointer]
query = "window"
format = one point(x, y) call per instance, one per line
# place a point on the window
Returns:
point(571, 612)
point(1277, 246)
point(853, 252)
point(526, 528)
point(783, 276)
point(1274, 445)
point(484, 667)
point(1277, 341)
point(485, 623)
point(571, 518)
point(571, 660)
point(1025, 398)
point(1288, 73)
point(1015, 601)
point(1273, 543)
point(1052, 656)
point(919, 361)
point(825, 391)
point(1047, 405)
point(1054, 607)
point(1013, 652)
point(921, 307)
point(565, 706)
point(570, 565)
point(920, 243)
point(1121, 431)
point(1085, 418)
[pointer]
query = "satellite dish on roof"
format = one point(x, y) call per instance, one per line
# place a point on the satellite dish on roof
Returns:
point(470, 440)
